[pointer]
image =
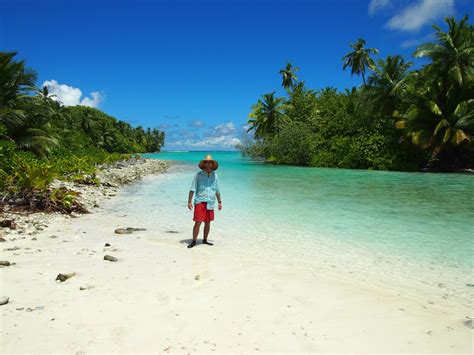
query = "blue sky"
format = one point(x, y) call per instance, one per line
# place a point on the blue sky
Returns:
point(194, 68)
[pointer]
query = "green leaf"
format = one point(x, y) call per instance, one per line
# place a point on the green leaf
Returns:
point(461, 136)
point(442, 124)
point(463, 106)
point(447, 134)
point(455, 72)
point(401, 124)
point(434, 108)
point(420, 138)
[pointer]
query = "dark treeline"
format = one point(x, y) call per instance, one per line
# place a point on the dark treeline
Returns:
point(41, 139)
point(399, 119)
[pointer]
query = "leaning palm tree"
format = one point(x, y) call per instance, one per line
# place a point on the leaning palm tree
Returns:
point(359, 59)
point(288, 76)
point(453, 55)
point(266, 115)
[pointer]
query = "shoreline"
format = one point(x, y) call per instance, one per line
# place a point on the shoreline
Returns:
point(160, 297)
point(112, 177)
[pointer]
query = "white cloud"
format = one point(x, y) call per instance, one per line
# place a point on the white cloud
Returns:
point(221, 136)
point(183, 132)
point(423, 12)
point(68, 95)
point(223, 129)
point(94, 102)
point(211, 142)
point(71, 96)
point(377, 5)
point(197, 123)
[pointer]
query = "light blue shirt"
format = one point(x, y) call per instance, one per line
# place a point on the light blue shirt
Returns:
point(205, 188)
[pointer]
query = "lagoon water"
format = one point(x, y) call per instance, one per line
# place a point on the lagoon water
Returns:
point(412, 232)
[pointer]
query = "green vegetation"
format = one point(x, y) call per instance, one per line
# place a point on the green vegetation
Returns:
point(399, 119)
point(40, 140)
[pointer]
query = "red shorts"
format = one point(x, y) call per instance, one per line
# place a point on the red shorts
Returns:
point(202, 214)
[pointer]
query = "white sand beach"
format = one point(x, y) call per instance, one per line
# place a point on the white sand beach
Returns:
point(162, 297)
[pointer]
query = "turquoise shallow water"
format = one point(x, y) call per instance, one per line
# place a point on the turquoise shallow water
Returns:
point(413, 230)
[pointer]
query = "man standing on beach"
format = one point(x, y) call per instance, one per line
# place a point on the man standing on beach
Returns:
point(205, 189)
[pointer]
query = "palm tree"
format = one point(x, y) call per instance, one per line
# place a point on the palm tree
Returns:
point(15, 81)
point(106, 138)
point(266, 115)
point(427, 124)
point(288, 76)
point(36, 133)
point(139, 135)
point(386, 83)
point(15, 78)
point(440, 117)
point(123, 127)
point(89, 122)
point(37, 140)
point(43, 92)
point(354, 102)
point(60, 111)
point(453, 56)
point(359, 59)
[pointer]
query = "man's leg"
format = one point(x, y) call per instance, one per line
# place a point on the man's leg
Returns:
point(197, 225)
point(207, 228)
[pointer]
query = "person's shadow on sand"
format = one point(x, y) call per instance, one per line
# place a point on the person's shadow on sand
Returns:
point(188, 241)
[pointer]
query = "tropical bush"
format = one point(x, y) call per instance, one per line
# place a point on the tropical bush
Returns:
point(63, 200)
point(292, 144)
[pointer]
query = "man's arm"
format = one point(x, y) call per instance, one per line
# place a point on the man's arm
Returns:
point(190, 199)
point(192, 189)
point(219, 201)
point(218, 194)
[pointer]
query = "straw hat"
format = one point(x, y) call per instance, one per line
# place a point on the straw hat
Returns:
point(208, 157)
